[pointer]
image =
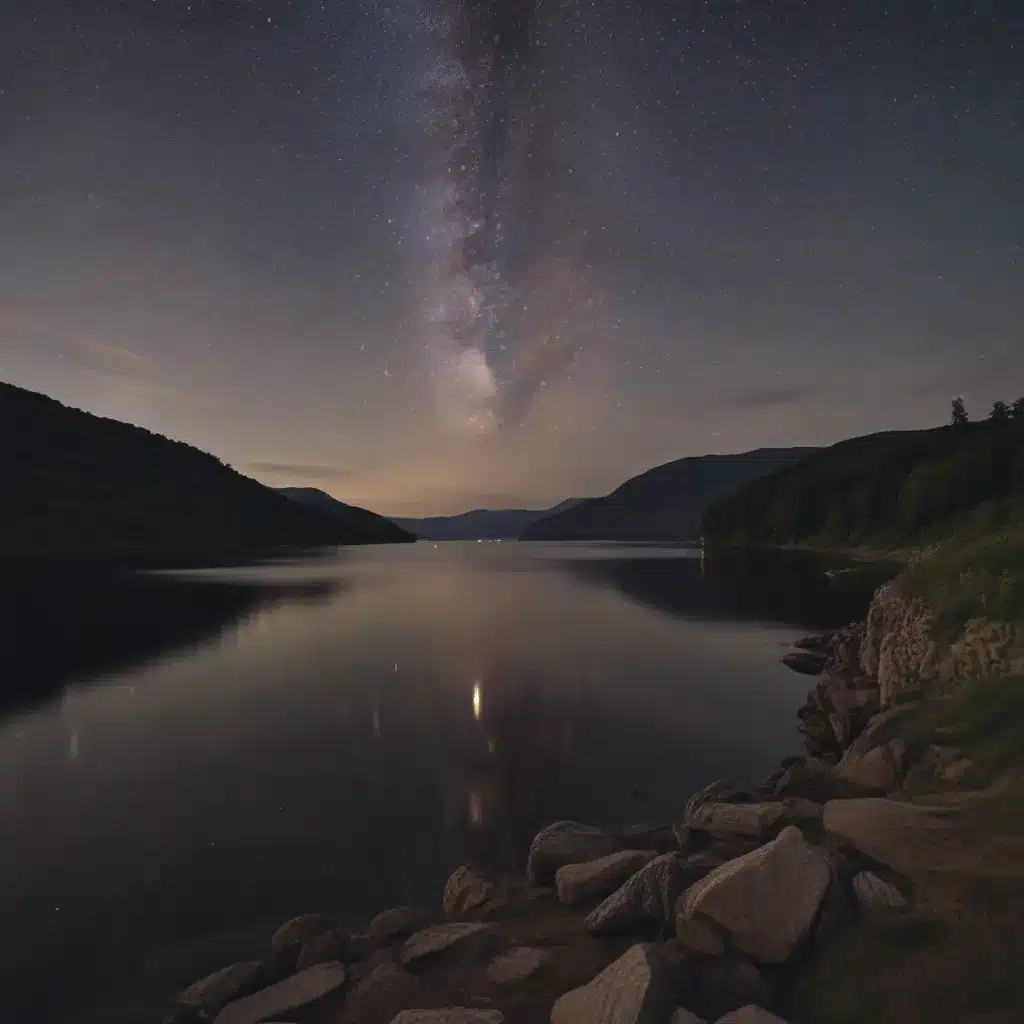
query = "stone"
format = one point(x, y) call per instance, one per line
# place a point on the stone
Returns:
point(322, 948)
point(762, 904)
point(442, 937)
point(871, 736)
point(719, 985)
point(382, 993)
point(212, 993)
point(902, 836)
point(516, 965)
point(396, 923)
point(637, 988)
point(715, 792)
point(726, 820)
point(595, 879)
point(873, 892)
point(880, 770)
point(450, 1015)
point(750, 1015)
point(961, 772)
point(464, 891)
point(808, 663)
point(681, 1015)
point(566, 842)
point(298, 929)
point(661, 839)
point(286, 997)
point(646, 900)
point(816, 780)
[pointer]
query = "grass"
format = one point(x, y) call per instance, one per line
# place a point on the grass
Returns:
point(977, 573)
point(959, 950)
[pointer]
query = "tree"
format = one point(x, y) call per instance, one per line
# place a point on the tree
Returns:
point(1000, 412)
point(1017, 409)
point(959, 417)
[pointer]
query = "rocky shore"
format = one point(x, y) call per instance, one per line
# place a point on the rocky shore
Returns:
point(712, 917)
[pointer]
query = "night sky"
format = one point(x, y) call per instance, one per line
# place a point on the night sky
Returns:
point(430, 256)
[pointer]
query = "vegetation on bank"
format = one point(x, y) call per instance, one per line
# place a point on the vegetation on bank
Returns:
point(886, 491)
point(75, 483)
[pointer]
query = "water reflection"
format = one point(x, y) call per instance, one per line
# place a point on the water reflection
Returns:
point(59, 626)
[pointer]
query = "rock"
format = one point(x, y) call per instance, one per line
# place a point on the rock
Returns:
point(635, 989)
point(726, 820)
point(719, 985)
point(298, 929)
point(715, 792)
point(750, 1015)
point(646, 900)
point(762, 904)
point(681, 1015)
point(464, 891)
point(873, 892)
point(286, 997)
point(516, 965)
point(565, 842)
point(595, 879)
point(819, 644)
point(322, 948)
point(396, 923)
point(879, 770)
point(871, 736)
point(443, 937)
point(644, 837)
point(386, 990)
point(450, 1015)
point(212, 993)
point(816, 780)
point(901, 836)
point(961, 772)
point(808, 663)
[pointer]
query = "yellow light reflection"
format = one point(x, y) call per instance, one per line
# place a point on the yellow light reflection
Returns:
point(477, 701)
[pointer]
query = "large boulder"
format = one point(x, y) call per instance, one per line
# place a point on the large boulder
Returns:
point(638, 988)
point(396, 923)
point(444, 937)
point(874, 893)
point(646, 900)
point(464, 891)
point(379, 995)
point(808, 663)
point(212, 993)
point(323, 948)
point(566, 842)
point(595, 879)
point(714, 986)
point(878, 771)
point(726, 820)
point(902, 836)
point(762, 904)
point(293, 933)
point(293, 995)
point(518, 964)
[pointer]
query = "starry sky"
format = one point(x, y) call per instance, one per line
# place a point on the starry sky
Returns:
point(437, 255)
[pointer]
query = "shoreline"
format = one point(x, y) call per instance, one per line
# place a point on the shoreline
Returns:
point(736, 905)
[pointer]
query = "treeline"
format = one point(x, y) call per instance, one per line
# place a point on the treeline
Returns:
point(885, 489)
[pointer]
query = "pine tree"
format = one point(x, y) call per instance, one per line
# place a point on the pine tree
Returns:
point(959, 416)
point(1000, 412)
point(1017, 409)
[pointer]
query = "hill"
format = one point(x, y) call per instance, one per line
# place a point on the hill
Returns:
point(886, 491)
point(480, 523)
point(79, 484)
point(665, 503)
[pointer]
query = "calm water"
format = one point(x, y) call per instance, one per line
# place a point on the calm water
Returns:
point(188, 758)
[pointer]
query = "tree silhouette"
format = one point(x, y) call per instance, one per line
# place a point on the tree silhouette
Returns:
point(1017, 409)
point(959, 416)
point(1000, 412)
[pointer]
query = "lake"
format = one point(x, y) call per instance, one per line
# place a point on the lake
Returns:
point(188, 758)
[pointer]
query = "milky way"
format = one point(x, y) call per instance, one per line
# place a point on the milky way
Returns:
point(503, 229)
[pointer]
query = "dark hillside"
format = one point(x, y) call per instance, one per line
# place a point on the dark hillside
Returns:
point(75, 483)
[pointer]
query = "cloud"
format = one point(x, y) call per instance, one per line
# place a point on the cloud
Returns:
point(302, 471)
point(767, 397)
point(116, 360)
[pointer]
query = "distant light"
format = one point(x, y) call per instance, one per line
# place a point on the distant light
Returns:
point(477, 701)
